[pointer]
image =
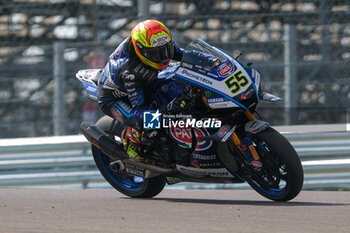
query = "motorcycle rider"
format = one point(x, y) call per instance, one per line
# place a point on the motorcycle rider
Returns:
point(130, 71)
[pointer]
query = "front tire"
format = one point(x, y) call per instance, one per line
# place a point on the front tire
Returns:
point(281, 177)
point(131, 186)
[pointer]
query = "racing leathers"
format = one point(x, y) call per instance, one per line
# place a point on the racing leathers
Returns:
point(125, 88)
point(125, 92)
point(125, 80)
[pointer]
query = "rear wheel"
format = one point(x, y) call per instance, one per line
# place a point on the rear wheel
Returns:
point(132, 186)
point(281, 177)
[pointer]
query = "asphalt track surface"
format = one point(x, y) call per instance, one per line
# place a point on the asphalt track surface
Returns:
point(64, 210)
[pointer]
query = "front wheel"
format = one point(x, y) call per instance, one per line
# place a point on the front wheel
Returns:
point(132, 186)
point(281, 177)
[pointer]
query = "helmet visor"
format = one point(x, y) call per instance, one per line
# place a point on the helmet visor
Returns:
point(161, 54)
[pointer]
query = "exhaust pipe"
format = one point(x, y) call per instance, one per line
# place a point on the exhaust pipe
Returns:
point(152, 168)
point(100, 139)
point(114, 150)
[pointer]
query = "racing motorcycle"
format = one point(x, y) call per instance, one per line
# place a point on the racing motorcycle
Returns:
point(219, 140)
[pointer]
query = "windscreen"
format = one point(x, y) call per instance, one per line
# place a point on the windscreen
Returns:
point(208, 56)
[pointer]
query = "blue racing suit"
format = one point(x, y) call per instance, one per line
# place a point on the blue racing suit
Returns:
point(125, 83)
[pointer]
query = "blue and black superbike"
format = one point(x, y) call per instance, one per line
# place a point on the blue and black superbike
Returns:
point(216, 140)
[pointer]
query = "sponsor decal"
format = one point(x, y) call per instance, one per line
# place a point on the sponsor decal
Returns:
point(224, 139)
point(255, 154)
point(212, 75)
point(208, 94)
point(226, 104)
point(183, 137)
point(256, 164)
point(226, 69)
point(160, 40)
point(93, 97)
point(215, 100)
point(237, 83)
point(117, 114)
point(135, 170)
point(124, 106)
point(203, 157)
point(196, 77)
point(90, 88)
point(210, 165)
point(223, 130)
point(203, 172)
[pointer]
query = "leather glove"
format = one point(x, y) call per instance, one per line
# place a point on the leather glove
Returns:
point(184, 101)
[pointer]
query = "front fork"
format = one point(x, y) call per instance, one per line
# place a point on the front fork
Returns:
point(245, 144)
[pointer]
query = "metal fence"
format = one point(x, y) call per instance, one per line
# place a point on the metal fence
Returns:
point(67, 162)
point(301, 49)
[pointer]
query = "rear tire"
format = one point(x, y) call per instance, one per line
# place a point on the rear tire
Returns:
point(281, 160)
point(131, 186)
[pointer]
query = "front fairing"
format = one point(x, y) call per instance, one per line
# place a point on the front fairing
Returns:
point(231, 84)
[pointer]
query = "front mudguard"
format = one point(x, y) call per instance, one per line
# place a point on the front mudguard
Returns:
point(256, 126)
point(246, 142)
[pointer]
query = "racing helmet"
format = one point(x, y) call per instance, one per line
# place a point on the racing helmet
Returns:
point(153, 43)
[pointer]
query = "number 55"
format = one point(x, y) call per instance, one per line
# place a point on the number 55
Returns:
point(236, 81)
